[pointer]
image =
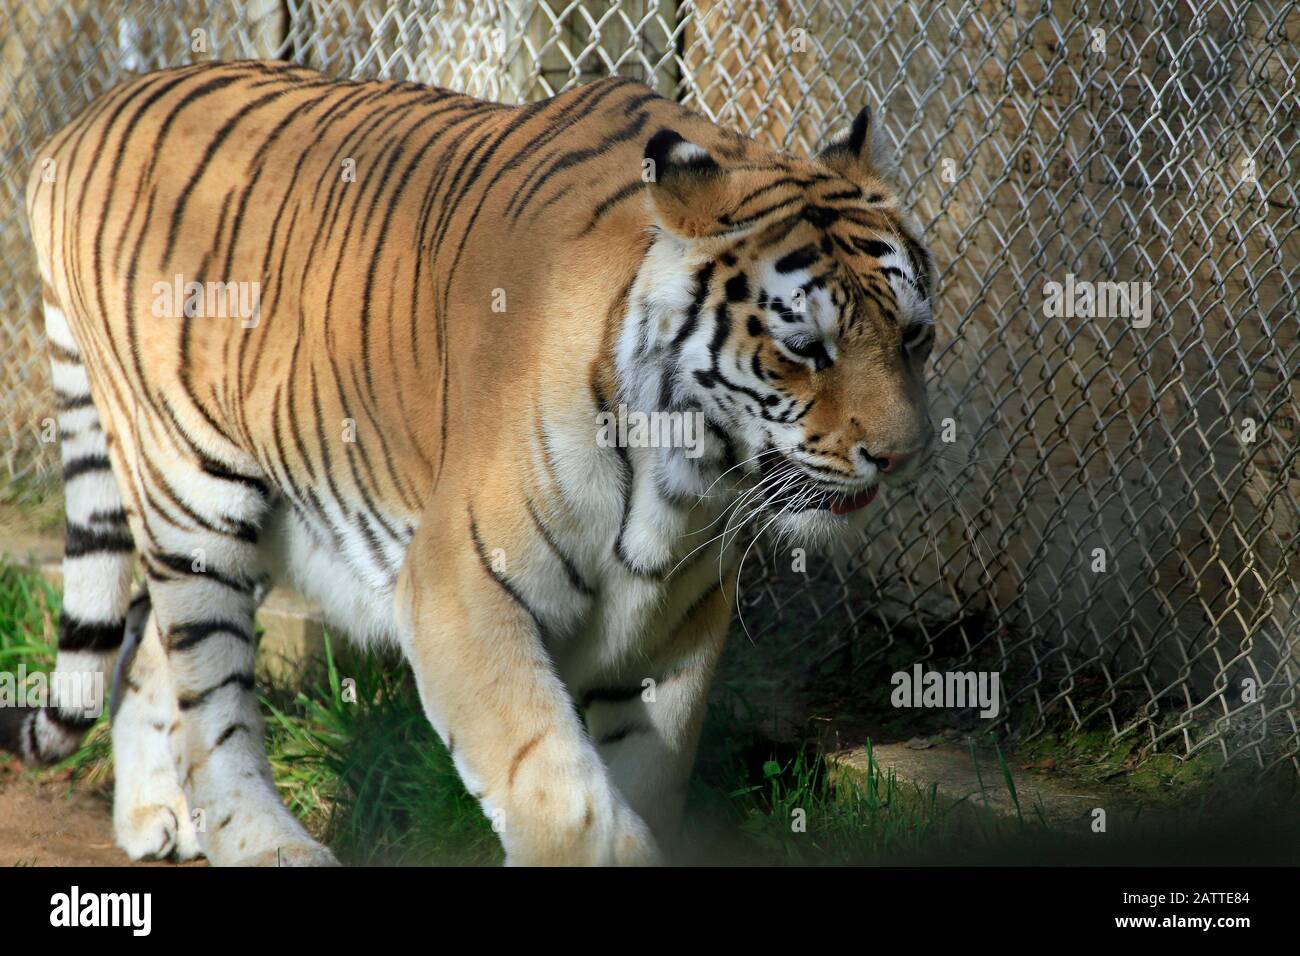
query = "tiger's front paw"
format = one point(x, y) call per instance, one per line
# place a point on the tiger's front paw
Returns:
point(632, 844)
point(293, 854)
point(156, 831)
point(604, 832)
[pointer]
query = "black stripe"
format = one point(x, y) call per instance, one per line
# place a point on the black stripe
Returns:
point(609, 202)
point(81, 540)
point(457, 191)
point(575, 579)
point(504, 584)
point(800, 258)
point(853, 192)
point(873, 247)
point(410, 497)
point(33, 746)
point(372, 543)
point(241, 529)
point(63, 355)
point(728, 449)
point(248, 373)
point(72, 721)
point(71, 403)
point(322, 444)
point(702, 279)
point(182, 637)
point(821, 216)
point(180, 564)
point(76, 635)
point(734, 224)
point(246, 194)
point(228, 733)
point(177, 214)
point(619, 733)
point(163, 485)
point(698, 603)
point(798, 182)
point(190, 701)
point(216, 469)
point(431, 191)
point(291, 414)
point(609, 695)
point(920, 260)
point(778, 231)
point(629, 492)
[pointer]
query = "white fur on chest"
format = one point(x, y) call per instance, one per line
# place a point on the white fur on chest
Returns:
point(648, 556)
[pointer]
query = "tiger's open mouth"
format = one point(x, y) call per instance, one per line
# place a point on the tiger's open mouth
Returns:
point(794, 492)
point(844, 504)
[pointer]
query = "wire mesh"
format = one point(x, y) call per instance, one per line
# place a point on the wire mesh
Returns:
point(1117, 525)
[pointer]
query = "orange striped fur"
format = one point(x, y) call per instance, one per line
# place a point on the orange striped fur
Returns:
point(454, 300)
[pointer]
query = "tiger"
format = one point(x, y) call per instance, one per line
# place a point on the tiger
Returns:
point(410, 424)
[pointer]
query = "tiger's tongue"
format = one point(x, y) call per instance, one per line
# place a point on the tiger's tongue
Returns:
point(852, 503)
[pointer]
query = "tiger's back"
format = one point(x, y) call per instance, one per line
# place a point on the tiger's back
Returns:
point(459, 246)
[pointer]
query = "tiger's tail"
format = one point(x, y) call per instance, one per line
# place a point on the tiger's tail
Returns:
point(97, 565)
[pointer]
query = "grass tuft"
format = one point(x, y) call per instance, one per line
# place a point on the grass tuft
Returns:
point(356, 758)
point(29, 610)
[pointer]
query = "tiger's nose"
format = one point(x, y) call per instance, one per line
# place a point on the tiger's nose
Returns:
point(891, 461)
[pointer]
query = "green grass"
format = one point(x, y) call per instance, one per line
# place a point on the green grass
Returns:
point(366, 770)
point(355, 758)
point(29, 608)
point(804, 811)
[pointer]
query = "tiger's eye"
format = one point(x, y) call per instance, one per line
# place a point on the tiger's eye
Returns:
point(815, 350)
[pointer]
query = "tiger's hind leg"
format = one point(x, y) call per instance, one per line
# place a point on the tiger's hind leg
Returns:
point(151, 819)
point(198, 534)
point(97, 566)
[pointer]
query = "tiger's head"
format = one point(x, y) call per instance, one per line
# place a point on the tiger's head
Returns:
point(789, 302)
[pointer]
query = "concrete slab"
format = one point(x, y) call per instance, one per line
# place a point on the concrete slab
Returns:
point(293, 638)
point(980, 779)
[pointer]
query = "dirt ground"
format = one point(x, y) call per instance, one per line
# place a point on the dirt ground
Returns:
point(51, 822)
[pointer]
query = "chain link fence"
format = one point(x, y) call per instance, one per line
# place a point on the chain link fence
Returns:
point(1116, 527)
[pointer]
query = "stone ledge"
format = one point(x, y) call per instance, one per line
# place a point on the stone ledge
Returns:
point(1064, 802)
point(293, 638)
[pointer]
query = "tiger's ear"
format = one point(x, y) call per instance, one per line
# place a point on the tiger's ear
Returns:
point(860, 152)
point(689, 191)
